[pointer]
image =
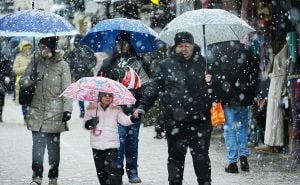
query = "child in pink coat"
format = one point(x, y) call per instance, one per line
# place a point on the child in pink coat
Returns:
point(102, 119)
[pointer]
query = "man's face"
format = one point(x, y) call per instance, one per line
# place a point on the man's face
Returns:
point(122, 46)
point(186, 49)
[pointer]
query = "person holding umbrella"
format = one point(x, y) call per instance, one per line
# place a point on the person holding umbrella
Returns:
point(102, 119)
point(125, 57)
point(186, 91)
point(237, 70)
point(48, 113)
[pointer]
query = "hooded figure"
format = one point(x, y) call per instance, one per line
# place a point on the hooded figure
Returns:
point(20, 64)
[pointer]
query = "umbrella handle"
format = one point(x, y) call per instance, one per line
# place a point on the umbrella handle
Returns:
point(97, 110)
point(204, 46)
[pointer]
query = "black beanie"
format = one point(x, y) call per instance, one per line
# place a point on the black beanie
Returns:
point(50, 42)
point(181, 37)
point(123, 36)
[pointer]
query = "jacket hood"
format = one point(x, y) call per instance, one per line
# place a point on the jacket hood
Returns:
point(23, 44)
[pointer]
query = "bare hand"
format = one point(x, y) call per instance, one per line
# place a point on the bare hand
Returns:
point(208, 78)
point(138, 113)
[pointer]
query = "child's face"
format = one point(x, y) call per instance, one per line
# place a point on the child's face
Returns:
point(106, 99)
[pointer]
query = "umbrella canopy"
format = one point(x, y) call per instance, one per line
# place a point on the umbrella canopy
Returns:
point(87, 89)
point(101, 38)
point(208, 26)
point(35, 23)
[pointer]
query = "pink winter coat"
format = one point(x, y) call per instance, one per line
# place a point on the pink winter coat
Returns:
point(106, 135)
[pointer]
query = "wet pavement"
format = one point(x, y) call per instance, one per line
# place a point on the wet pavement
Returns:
point(77, 167)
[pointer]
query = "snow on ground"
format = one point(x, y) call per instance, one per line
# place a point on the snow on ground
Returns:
point(77, 167)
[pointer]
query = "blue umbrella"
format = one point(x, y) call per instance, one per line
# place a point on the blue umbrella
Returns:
point(101, 38)
point(35, 23)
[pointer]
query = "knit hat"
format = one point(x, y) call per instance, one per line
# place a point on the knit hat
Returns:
point(123, 36)
point(50, 42)
point(101, 94)
point(181, 37)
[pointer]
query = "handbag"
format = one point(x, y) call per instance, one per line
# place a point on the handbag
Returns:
point(217, 114)
point(26, 94)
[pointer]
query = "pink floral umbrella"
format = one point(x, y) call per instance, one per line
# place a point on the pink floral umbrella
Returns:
point(88, 88)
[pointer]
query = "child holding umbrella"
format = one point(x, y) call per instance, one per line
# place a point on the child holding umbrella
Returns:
point(102, 119)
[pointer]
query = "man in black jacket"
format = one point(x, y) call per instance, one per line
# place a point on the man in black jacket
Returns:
point(187, 95)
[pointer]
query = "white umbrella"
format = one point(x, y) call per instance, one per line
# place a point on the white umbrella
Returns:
point(208, 26)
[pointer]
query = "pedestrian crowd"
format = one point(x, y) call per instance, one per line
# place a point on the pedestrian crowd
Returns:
point(177, 80)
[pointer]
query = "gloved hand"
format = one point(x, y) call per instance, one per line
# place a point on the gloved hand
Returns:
point(66, 116)
point(91, 123)
point(6, 80)
point(35, 76)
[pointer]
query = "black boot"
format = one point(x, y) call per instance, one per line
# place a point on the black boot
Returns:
point(232, 168)
point(244, 163)
point(158, 136)
point(1, 120)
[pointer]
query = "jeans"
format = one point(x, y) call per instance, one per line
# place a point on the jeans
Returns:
point(106, 167)
point(25, 110)
point(195, 136)
point(129, 138)
point(40, 141)
point(81, 107)
point(235, 131)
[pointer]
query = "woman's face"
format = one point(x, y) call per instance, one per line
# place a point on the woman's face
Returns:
point(46, 52)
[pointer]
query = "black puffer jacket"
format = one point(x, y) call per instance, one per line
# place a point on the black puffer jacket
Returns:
point(237, 72)
point(181, 84)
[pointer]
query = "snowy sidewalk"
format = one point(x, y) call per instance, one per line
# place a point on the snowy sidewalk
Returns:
point(77, 167)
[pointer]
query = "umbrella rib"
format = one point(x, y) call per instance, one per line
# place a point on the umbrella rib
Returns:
point(233, 32)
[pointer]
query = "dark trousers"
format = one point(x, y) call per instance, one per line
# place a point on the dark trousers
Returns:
point(2, 96)
point(196, 136)
point(2, 100)
point(107, 169)
point(40, 141)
